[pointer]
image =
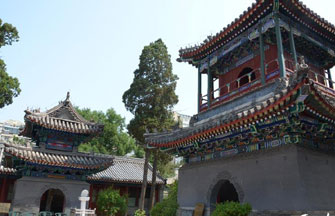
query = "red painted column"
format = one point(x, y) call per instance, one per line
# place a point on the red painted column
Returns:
point(91, 193)
point(126, 191)
point(3, 191)
point(138, 192)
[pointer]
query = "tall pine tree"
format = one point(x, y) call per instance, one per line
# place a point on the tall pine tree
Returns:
point(151, 98)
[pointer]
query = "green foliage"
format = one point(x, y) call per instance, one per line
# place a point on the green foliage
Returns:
point(169, 206)
point(110, 202)
point(9, 86)
point(140, 212)
point(19, 140)
point(114, 139)
point(8, 34)
point(232, 209)
point(165, 166)
point(139, 151)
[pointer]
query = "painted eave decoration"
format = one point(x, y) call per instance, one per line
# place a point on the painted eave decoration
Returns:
point(300, 94)
point(294, 8)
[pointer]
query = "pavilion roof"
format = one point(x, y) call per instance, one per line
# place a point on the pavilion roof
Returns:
point(35, 156)
point(62, 117)
point(295, 9)
point(125, 170)
point(320, 101)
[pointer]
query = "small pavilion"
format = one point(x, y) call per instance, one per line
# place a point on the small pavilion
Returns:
point(50, 176)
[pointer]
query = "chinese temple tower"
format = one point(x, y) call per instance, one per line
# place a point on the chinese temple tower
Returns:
point(49, 176)
point(265, 128)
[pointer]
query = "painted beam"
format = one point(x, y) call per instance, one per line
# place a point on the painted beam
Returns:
point(199, 89)
point(262, 54)
point(280, 50)
point(309, 35)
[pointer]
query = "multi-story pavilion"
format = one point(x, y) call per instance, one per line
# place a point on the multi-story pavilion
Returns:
point(51, 175)
point(265, 131)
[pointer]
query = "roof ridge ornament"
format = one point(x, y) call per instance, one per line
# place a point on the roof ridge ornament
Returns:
point(302, 64)
point(67, 97)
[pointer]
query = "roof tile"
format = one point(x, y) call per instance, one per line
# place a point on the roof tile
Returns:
point(127, 170)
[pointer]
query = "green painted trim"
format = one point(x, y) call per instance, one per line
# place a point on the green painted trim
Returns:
point(199, 88)
point(262, 54)
point(292, 46)
point(209, 84)
point(280, 49)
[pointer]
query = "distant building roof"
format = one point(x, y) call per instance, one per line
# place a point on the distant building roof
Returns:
point(125, 170)
point(62, 117)
point(294, 9)
point(13, 123)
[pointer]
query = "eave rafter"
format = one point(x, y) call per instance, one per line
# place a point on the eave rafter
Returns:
point(274, 107)
point(250, 17)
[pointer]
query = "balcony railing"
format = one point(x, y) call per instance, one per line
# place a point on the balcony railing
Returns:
point(253, 79)
point(323, 82)
point(232, 89)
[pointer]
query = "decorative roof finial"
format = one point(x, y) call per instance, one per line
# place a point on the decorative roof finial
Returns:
point(302, 63)
point(67, 97)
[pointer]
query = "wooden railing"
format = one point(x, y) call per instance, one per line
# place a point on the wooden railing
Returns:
point(232, 89)
point(322, 82)
point(253, 78)
point(317, 77)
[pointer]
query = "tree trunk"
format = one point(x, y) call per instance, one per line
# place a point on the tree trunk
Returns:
point(145, 177)
point(153, 182)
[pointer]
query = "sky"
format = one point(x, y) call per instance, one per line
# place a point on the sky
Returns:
point(92, 47)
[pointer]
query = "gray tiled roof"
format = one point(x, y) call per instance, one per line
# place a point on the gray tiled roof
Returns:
point(125, 170)
point(62, 117)
point(61, 159)
point(63, 124)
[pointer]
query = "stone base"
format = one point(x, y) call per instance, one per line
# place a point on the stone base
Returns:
point(29, 190)
point(286, 178)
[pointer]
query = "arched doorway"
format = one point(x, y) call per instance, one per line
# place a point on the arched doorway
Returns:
point(52, 200)
point(227, 192)
point(223, 191)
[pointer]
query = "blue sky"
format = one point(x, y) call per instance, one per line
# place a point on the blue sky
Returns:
point(91, 48)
